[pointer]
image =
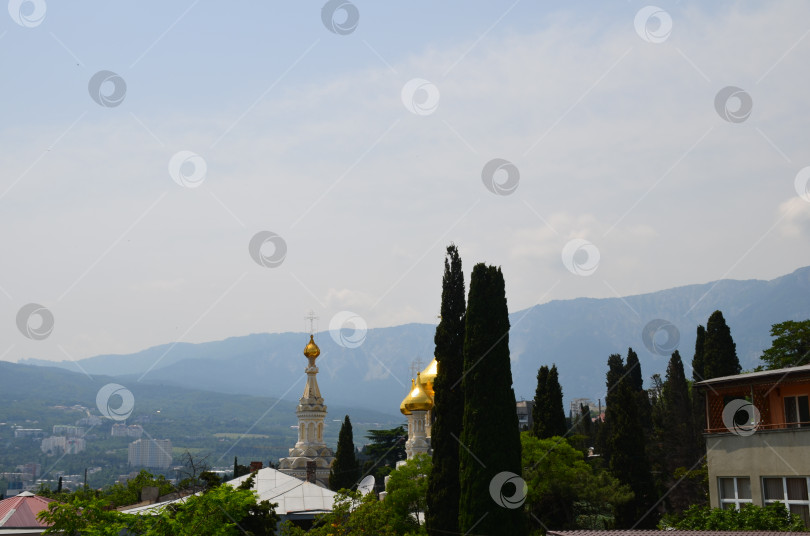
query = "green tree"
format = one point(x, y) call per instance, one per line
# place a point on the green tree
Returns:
point(636, 381)
point(345, 471)
point(385, 449)
point(626, 442)
point(751, 517)
point(540, 401)
point(698, 361)
point(448, 410)
point(561, 486)
point(674, 429)
point(615, 373)
point(719, 350)
point(352, 514)
point(791, 345)
point(408, 490)
point(549, 415)
point(490, 432)
point(222, 510)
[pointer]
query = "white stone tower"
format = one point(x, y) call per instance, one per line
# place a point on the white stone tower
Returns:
point(310, 459)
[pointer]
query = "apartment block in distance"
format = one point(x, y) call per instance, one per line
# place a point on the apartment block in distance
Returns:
point(153, 453)
point(758, 439)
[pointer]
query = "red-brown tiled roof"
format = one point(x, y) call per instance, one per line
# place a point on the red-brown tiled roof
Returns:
point(21, 511)
point(670, 533)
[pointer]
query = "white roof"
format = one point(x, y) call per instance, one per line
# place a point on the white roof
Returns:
point(293, 495)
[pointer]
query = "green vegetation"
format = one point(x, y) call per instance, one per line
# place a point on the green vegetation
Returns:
point(719, 351)
point(448, 411)
point(345, 471)
point(773, 517)
point(549, 415)
point(791, 345)
point(490, 431)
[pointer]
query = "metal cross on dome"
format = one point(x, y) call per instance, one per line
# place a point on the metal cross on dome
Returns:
point(312, 317)
point(416, 366)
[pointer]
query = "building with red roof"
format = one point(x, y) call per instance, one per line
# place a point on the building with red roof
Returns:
point(18, 515)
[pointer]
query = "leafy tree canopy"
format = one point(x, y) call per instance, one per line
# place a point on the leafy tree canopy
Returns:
point(791, 345)
point(773, 517)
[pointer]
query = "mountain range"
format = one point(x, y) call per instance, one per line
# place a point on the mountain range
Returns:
point(577, 334)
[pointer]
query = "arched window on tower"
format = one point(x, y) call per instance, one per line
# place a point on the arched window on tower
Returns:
point(320, 431)
point(311, 432)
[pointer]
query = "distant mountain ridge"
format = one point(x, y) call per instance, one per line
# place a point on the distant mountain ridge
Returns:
point(577, 335)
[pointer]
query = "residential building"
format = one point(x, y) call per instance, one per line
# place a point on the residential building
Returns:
point(153, 453)
point(28, 432)
point(758, 439)
point(524, 413)
point(68, 430)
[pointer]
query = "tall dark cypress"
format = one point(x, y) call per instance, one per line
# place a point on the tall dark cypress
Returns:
point(719, 350)
point(615, 374)
point(540, 403)
point(626, 443)
point(636, 381)
point(557, 423)
point(448, 409)
point(490, 434)
point(675, 429)
point(345, 470)
point(698, 363)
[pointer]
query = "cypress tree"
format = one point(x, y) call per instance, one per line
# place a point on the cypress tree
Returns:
point(719, 350)
point(345, 471)
point(615, 373)
point(626, 443)
point(676, 427)
point(540, 403)
point(556, 414)
point(490, 432)
point(636, 381)
point(698, 363)
point(448, 410)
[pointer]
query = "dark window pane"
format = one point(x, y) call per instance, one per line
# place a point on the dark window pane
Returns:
point(743, 488)
point(727, 488)
point(790, 410)
point(773, 489)
point(804, 410)
point(797, 489)
point(802, 511)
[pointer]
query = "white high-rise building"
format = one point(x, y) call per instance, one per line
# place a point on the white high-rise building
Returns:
point(154, 453)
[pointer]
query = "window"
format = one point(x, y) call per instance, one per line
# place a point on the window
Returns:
point(734, 491)
point(797, 411)
point(789, 490)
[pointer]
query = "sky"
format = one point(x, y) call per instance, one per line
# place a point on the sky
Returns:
point(191, 171)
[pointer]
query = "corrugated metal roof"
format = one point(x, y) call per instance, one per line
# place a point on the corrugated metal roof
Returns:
point(761, 375)
point(21, 511)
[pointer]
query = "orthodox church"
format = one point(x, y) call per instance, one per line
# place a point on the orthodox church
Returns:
point(418, 408)
point(310, 459)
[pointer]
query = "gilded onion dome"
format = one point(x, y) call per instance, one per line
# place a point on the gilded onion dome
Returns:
point(418, 400)
point(402, 407)
point(429, 376)
point(312, 349)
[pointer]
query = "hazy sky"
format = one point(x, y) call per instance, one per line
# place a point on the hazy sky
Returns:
point(355, 141)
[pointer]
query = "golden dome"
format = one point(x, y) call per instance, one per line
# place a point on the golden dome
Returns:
point(418, 400)
point(429, 376)
point(402, 407)
point(312, 349)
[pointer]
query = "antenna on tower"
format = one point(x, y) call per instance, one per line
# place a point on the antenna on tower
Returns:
point(313, 321)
